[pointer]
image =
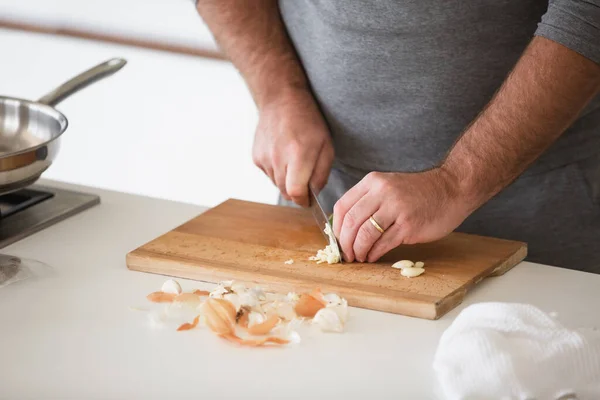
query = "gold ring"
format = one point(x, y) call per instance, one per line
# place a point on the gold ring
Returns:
point(375, 224)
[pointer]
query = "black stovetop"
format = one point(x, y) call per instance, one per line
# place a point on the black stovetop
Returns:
point(15, 202)
point(27, 211)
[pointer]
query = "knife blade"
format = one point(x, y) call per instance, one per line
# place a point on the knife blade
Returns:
point(322, 220)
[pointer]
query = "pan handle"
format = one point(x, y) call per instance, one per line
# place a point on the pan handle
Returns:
point(82, 80)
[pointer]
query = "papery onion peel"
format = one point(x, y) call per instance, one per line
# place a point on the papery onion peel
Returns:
point(310, 303)
point(187, 298)
point(264, 327)
point(254, 342)
point(188, 326)
point(220, 315)
point(161, 297)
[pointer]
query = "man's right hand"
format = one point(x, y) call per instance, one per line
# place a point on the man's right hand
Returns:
point(292, 145)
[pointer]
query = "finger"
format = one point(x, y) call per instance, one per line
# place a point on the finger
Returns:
point(391, 238)
point(346, 202)
point(270, 174)
point(368, 234)
point(322, 168)
point(353, 220)
point(298, 175)
point(279, 174)
point(267, 171)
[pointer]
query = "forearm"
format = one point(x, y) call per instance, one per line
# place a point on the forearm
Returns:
point(253, 36)
point(538, 101)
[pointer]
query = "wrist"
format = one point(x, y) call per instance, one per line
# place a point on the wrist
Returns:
point(278, 78)
point(275, 94)
point(464, 189)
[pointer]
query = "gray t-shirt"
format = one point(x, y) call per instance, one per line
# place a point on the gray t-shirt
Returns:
point(399, 81)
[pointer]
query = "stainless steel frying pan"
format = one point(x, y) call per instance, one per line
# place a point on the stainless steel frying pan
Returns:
point(30, 131)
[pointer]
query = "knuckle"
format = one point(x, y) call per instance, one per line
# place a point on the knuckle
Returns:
point(375, 180)
point(383, 184)
point(371, 177)
point(280, 183)
point(359, 249)
point(257, 157)
point(276, 156)
point(350, 220)
point(408, 240)
point(296, 190)
point(337, 207)
point(408, 229)
point(366, 234)
point(295, 148)
point(374, 176)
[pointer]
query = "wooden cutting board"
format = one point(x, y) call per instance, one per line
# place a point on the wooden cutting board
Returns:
point(249, 242)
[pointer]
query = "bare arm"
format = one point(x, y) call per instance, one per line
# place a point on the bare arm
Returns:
point(292, 144)
point(541, 97)
point(252, 35)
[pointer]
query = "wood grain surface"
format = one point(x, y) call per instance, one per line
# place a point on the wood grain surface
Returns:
point(250, 242)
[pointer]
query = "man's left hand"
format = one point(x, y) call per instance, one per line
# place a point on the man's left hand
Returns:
point(409, 207)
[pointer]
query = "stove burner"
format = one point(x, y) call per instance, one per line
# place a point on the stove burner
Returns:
point(14, 202)
point(37, 207)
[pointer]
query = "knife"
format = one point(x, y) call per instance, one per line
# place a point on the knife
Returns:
point(322, 220)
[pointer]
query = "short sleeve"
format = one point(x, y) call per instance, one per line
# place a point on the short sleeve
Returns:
point(574, 24)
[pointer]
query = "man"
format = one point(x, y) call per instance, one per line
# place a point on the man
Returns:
point(417, 118)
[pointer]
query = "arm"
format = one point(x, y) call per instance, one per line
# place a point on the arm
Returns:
point(253, 37)
point(292, 144)
point(541, 97)
point(553, 81)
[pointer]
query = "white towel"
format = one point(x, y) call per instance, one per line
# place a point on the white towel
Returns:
point(516, 351)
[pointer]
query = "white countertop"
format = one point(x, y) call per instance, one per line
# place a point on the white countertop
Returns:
point(72, 334)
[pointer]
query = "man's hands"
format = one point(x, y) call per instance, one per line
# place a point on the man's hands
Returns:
point(545, 92)
point(411, 208)
point(292, 145)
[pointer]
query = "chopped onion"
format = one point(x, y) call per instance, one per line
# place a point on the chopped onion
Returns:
point(330, 254)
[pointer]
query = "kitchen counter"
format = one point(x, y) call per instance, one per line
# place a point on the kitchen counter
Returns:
point(71, 334)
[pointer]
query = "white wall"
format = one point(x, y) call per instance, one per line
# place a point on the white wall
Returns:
point(169, 126)
point(172, 21)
